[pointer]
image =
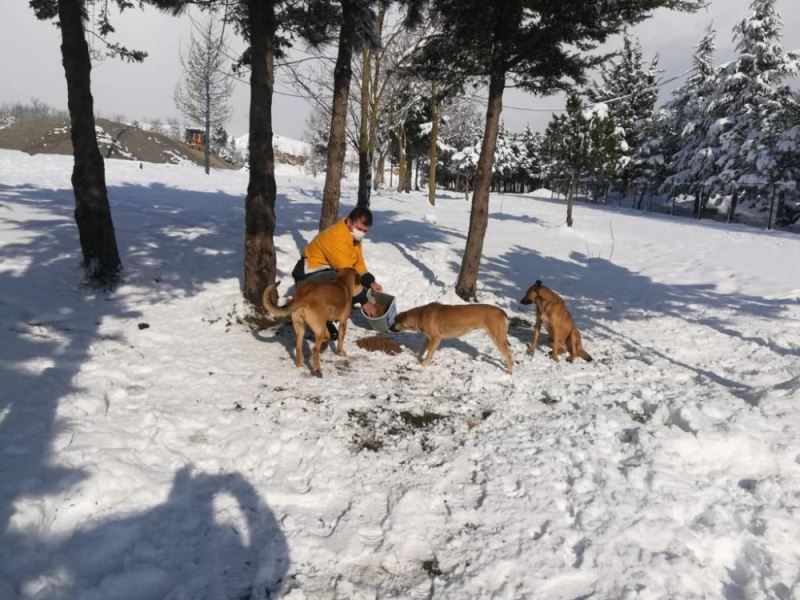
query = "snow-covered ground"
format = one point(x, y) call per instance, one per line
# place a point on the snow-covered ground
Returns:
point(153, 446)
point(280, 143)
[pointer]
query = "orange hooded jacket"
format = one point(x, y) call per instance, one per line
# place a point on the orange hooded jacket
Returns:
point(335, 247)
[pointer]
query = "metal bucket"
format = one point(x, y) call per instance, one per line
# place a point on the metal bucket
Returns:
point(383, 322)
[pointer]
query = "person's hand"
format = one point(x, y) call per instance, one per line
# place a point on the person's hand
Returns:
point(376, 287)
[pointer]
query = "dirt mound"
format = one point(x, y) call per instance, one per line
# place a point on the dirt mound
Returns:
point(51, 135)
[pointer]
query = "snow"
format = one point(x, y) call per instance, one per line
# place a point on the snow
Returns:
point(152, 445)
point(280, 143)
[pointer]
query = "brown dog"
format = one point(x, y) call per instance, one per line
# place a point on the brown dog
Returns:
point(552, 312)
point(442, 321)
point(315, 303)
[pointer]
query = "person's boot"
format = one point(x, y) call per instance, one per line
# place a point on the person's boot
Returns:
point(332, 331)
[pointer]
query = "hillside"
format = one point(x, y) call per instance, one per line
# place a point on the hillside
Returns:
point(50, 135)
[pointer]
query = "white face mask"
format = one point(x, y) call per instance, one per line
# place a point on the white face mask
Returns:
point(358, 235)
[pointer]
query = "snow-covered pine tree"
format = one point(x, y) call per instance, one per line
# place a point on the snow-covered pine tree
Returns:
point(627, 87)
point(683, 139)
point(748, 108)
point(316, 136)
point(461, 129)
point(537, 45)
point(532, 166)
point(507, 160)
point(584, 142)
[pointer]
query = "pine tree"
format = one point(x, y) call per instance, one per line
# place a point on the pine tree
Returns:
point(316, 135)
point(532, 165)
point(627, 87)
point(532, 42)
point(684, 133)
point(748, 107)
point(581, 143)
point(203, 95)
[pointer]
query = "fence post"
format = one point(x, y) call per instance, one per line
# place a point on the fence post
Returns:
point(771, 207)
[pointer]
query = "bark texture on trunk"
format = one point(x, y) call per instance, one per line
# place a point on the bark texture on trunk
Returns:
point(207, 141)
point(342, 74)
point(573, 186)
point(380, 175)
point(401, 164)
point(259, 245)
point(364, 155)
point(92, 211)
point(479, 213)
point(432, 158)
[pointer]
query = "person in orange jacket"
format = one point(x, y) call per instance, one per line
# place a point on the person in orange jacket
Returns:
point(337, 247)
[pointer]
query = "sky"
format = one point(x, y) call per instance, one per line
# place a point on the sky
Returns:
point(145, 91)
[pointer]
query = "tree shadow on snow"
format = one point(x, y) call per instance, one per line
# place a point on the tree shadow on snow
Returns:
point(173, 243)
point(598, 291)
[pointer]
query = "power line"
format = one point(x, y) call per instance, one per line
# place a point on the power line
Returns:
point(611, 100)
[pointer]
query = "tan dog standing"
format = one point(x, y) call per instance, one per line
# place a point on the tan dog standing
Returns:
point(552, 312)
point(442, 321)
point(315, 303)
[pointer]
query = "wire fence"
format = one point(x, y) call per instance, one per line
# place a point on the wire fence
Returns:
point(770, 206)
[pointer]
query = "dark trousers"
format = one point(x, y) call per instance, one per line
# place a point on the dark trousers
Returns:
point(300, 276)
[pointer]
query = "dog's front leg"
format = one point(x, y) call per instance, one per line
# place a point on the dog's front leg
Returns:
point(537, 329)
point(433, 344)
point(422, 350)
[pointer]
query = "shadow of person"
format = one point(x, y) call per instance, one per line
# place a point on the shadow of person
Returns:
point(213, 538)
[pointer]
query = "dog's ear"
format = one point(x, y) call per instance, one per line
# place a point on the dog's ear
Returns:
point(537, 283)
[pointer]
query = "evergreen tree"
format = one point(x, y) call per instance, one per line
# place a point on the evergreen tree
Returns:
point(204, 93)
point(539, 45)
point(316, 135)
point(627, 87)
point(748, 107)
point(581, 143)
point(461, 129)
point(685, 129)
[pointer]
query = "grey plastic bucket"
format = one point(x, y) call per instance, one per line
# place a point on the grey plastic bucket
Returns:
point(386, 320)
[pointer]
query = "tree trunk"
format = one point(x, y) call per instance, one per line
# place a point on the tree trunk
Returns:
point(207, 140)
point(342, 74)
point(401, 165)
point(259, 245)
point(380, 178)
point(479, 213)
point(92, 212)
point(416, 175)
point(376, 91)
point(364, 156)
point(570, 198)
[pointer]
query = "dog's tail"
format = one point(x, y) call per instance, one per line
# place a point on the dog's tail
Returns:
point(585, 355)
point(275, 311)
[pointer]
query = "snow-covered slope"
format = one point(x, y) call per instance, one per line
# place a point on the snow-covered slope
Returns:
point(153, 446)
point(280, 143)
